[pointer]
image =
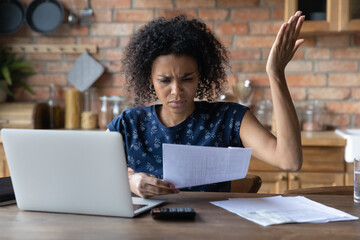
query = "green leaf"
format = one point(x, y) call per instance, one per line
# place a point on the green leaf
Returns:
point(26, 87)
point(6, 73)
point(19, 65)
point(5, 89)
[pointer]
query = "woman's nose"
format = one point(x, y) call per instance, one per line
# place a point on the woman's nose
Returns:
point(176, 88)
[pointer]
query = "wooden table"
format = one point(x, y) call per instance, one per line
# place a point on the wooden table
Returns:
point(211, 222)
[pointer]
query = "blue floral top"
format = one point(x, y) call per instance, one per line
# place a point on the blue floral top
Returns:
point(211, 124)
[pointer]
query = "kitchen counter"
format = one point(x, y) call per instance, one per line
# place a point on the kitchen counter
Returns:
point(323, 138)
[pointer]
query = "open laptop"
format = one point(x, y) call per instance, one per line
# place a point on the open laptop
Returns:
point(82, 172)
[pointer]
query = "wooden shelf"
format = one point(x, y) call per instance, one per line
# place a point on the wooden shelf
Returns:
point(50, 48)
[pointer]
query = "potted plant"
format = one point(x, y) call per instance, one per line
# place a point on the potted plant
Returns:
point(13, 71)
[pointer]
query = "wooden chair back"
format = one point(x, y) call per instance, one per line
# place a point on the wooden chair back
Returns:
point(249, 184)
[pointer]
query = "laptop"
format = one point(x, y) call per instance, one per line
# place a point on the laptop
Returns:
point(81, 172)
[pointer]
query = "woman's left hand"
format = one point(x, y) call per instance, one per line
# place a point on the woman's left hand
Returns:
point(285, 45)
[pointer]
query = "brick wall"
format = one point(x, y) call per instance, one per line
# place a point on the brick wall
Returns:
point(326, 67)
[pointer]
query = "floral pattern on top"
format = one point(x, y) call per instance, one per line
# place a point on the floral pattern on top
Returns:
point(211, 124)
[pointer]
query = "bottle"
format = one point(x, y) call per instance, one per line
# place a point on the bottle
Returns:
point(56, 113)
point(104, 114)
point(312, 119)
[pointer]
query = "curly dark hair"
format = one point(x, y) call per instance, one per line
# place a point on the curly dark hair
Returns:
point(175, 36)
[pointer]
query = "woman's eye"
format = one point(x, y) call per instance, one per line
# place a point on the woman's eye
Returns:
point(187, 79)
point(165, 80)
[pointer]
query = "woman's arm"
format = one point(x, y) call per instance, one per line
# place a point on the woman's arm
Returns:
point(284, 150)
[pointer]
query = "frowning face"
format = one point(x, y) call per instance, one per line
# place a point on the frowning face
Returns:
point(175, 79)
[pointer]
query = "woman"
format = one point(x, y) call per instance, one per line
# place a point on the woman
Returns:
point(177, 60)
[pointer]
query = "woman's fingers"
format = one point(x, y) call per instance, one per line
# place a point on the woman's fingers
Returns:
point(147, 185)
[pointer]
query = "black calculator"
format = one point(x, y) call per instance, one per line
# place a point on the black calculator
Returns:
point(173, 213)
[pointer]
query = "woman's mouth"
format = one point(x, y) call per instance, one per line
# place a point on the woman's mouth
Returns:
point(177, 103)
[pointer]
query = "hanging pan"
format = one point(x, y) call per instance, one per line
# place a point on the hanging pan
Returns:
point(44, 16)
point(12, 15)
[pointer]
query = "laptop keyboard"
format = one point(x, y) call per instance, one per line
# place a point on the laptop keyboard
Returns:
point(138, 206)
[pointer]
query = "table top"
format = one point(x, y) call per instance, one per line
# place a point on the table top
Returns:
point(211, 222)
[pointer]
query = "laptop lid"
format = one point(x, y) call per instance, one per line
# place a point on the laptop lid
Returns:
point(82, 172)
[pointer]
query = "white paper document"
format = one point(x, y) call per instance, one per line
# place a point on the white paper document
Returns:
point(187, 165)
point(278, 210)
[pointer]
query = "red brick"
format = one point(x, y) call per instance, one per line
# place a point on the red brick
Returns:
point(55, 40)
point(101, 15)
point(38, 67)
point(306, 79)
point(244, 54)
point(59, 67)
point(244, 14)
point(332, 120)
point(268, 28)
point(310, 41)
point(40, 93)
point(73, 56)
point(46, 79)
point(299, 66)
point(101, 42)
point(124, 41)
point(66, 30)
point(103, 81)
point(248, 67)
point(113, 54)
point(278, 13)
point(110, 4)
point(228, 28)
point(213, 14)
point(259, 80)
point(254, 42)
point(329, 93)
point(333, 40)
point(43, 56)
point(194, 3)
point(152, 4)
point(190, 13)
point(227, 41)
point(112, 29)
point(15, 40)
point(344, 107)
point(357, 39)
point(134, 15)
point(237, 3)
point(336, 66)
point(356, 94)
point(271, 2)
point(113, 66)
point(317, 53)
point(112, 92)
point(344, 79)
point(119, 80)
point(346, 53)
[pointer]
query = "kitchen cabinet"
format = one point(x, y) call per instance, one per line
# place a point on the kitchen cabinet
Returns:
point(323, 165)
point(340, 15)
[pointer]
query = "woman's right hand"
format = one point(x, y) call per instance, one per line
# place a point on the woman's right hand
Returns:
point(147, 185)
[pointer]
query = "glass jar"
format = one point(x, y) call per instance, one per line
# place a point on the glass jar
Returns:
point(312, 117)
point(263, 112)
point(89, 118)
point(105, 114)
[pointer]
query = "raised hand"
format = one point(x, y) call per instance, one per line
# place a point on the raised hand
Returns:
point(285, 45)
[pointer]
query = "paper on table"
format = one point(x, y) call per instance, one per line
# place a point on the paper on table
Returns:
point(187, 165)
point(278, 210)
